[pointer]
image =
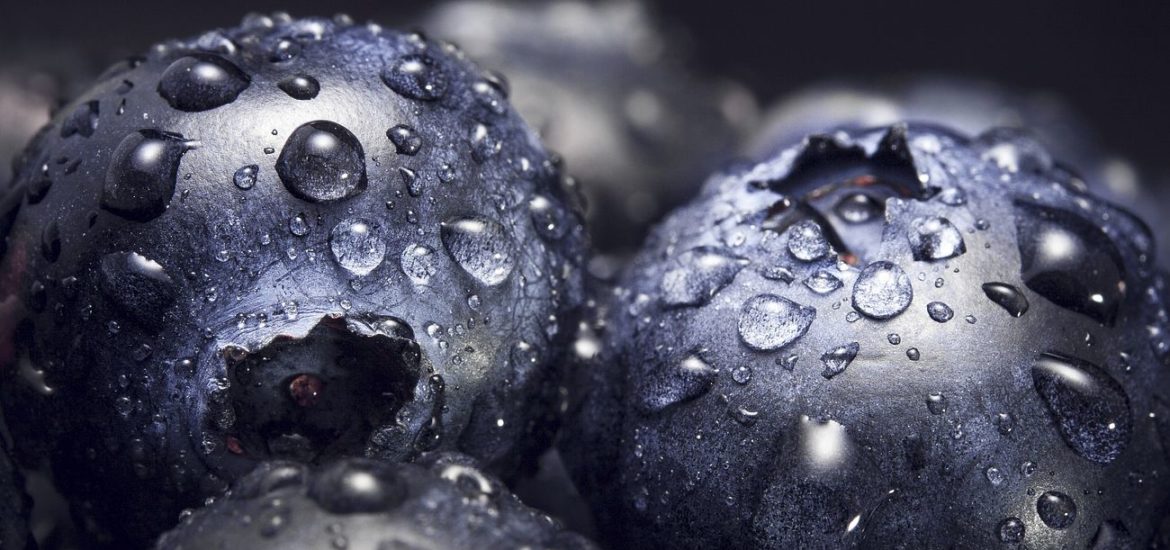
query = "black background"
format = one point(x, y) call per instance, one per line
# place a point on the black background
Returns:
point(1110, 60)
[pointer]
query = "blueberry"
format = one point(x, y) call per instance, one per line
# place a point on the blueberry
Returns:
point(991, 369)
point(14, 505)
point(607, 89)
point(443, 501)
point(213, 260)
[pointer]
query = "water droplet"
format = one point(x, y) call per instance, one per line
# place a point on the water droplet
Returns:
point(806, 241)
point(1008, 297)
point(301, 87)
point(994, 476)
point(82, 121)
point(483, 248)
point(138, 286)
point(1070, 261)
point(953, 196)
point(838, 359)
point(357, 246)
point(1011, 530)
point(200, 82)
point(547, 217)
point(405, 139)
point(823, 282)
point(357, 487)
point(1090, 408)
point(1005, 423)
point(696, 275)
point(418, 263)
point(894, 338)
point(935, 238)
point(768, 322)
point(742, 374)
point(140, 180)
point(857, 208)
point(298, 225)
point(245, 177)
point(417, 77)
point(322, 161)
point(882, 291)
point(913, 354)
point(485, 143)
point(684, 381)
point(51, 241)
point(1057, 510)
point(936, 403)
point(940, 312)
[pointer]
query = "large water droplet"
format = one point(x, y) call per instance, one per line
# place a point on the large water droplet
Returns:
point(768, 322)
point(838, 359)
point(82, 121)
point(882, 291)
point(418, 263)
point(935, 238)
point(245, 177)
point(417, 77)
point(806, 241)
point(1070, 261)
point(199, 82)
point(1057, 510)
point(686, 380)
point(300, 87)
point(322, 161)
point(356, 246)
point(696, 275)
point(140, 180)
point(1008, 297)
point(139, 287)
point(1090, 408)
point(483, 248)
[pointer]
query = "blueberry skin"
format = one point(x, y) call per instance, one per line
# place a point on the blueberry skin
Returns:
point(726, 396)
point(606, 86)
point(14, 505)
point(443, 501)
point(205, 269)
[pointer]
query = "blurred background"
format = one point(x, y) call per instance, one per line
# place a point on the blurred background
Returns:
point(644, 99)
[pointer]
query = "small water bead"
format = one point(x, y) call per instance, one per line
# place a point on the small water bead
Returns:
point(482, 247)
point(548, 217)
point(406, 139)
point(936, 403)
point(1005, 423)
point(939, 282)
point(953, 196)
point(935, 238)
point(777, 273)
point(894, 338)
point(82, 121)
point(696, 275)
point(1011, 530)
point(971, 320)
point(300, 87)
point(245, 177)
point(686, 380)
point(322, 161)
point(857, 208)
point(768, 322)
point(838, 359)
point(882, 291)
point(485, 143)
point(913, 354)
point(357, 487)
point(418, 263)
point(417, 77)
point(742, 374)
point(200, 82)
point(823, 282)
point(1028, 468)
point(142, 175)
point(940, 312)
point(357, 246)
point(994, 475)
point(299, 225)
point(1007, 297)
point(1057, 510)
point(806, 241)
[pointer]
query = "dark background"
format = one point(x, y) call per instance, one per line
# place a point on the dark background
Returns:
point(1109, 60)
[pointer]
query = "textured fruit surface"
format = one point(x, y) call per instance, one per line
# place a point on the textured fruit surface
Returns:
point(606, 88)
point(896, 338)
point(443, 501)
point(294, 239)
point(14, 505)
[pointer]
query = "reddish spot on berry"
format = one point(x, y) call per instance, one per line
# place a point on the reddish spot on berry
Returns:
point(305, 389)
point(233, 445)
